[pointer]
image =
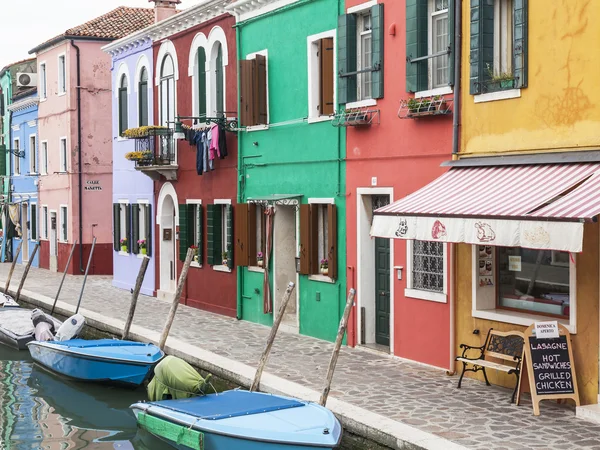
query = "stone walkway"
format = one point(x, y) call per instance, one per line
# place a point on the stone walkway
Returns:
point(476, 417)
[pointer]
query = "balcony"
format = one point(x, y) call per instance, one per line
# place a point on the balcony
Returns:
point(154, 153)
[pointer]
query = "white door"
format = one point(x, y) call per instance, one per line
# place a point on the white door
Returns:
point(168, 267)
point(53, 242)
point(25, 232)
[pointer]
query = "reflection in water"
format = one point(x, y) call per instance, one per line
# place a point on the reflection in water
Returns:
point(39, 410)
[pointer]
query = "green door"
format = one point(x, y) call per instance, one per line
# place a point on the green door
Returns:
point(382, 291)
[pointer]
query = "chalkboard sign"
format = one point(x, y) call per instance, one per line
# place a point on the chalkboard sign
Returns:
point(548, 370)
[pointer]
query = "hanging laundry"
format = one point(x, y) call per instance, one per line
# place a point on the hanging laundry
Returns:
point(222, 142)
point(214, 141)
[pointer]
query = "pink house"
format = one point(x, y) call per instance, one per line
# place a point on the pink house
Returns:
point(75, 140)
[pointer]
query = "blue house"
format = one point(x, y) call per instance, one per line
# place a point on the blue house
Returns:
point(25, 167)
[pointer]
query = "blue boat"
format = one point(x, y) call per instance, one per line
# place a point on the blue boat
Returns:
point(240, 420)
point(110, 361)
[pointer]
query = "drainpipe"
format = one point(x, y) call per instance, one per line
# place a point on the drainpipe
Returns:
point(457, 79)
point(239, 271)
point(81, 267)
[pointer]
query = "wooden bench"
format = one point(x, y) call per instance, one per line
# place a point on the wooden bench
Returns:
point(507, 347)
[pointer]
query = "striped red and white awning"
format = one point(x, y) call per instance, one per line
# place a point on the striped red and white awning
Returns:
point(538, 201)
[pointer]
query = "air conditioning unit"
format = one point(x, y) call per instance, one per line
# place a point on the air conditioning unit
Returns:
point(26, 79)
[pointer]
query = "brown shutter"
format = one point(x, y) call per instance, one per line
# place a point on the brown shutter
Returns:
point(261, 74)
point(241, 234)
point(247, 93)
point(332, 239)
point(305, 239)
point(252, 234)
point(314, 239)
point(326, 106)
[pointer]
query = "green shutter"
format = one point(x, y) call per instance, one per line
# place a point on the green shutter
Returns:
point(3, 156)
point(211, 212)
point(201, 82)
point(482, 43)
point(135, 235)
point(116, 226)
point(217, 249)
point(200, 230)
point(128, 227)
point(123, 115)
point(229, 213)
point(520, 50)
point(346, 34)
point(451, 30)
point(416, 45)
point(190, 228)
point(143, 112)
point(149, 228)
point(377, 42)
point(183, 231)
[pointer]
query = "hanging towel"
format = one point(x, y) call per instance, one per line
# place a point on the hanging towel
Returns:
point(14, 211)
point(222, 143)
point(214, 141)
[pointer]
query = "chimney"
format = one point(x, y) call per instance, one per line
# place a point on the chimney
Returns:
point(163, 9)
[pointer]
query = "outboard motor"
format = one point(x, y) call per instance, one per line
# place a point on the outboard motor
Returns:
point(44, 325)
point(71, 328)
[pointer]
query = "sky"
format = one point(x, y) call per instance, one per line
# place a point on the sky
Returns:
point(26, 23)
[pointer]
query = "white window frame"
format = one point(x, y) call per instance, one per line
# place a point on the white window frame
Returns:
point(44, 157)
point(485, 308)
point(431, 14)
point(217, 36)
point(16, 158)
point(251, 56)
point(314, 75)
point(43, 81)
point(61, 237)
point(321, 202)
point(359, 54)
point(63, 156)
point(32, 154)
point(62, 74)
point(32, 208)
point(197, 238)
point(223, 202)
point(44, 223)
point(411, 292)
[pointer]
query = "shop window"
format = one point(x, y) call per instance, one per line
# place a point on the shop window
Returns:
point(534, 281)
point(360, 54)
point(254, 97)
point(191, 230)
point(141, 228)
point(321, 54)
point(122, 227)
point(219, 235)
point(426, 271)
point(318, 239)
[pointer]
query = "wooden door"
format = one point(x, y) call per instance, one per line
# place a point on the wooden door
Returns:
point(382, 291)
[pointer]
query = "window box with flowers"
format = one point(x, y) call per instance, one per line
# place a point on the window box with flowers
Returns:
point(124, 245)
point(324, 267)
point(196, 257)
point(260, 259)
point(225, 260)
point(143, 246)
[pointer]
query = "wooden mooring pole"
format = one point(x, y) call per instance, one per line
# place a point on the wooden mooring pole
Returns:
point(12, 267)
point(134, 296)
point(86, 274)
point(265, 356)
point(175, 304)
point(336, 347)
point(63, 277)
point(27, 267)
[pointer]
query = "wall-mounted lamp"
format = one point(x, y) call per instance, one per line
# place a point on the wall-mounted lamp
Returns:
point(178, 132)
point(398, 270)
point(255, 143)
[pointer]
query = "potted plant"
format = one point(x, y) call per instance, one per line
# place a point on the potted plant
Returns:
point(124, 247)
point(143, 247)
point(324, 267)
point(225, 260)
point(413, 105)
point(195, 249)
point(259, 259)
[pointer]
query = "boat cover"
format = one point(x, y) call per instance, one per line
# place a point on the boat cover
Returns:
point(16, 321)
point(228, 404)
point(110, 349)
point(175, 377)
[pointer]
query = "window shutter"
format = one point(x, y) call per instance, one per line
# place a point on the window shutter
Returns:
point(326, 106)
point(201, 82)
point(135, 235)
point(128, 227)
point(200, 231)
point(332, 253)
point(149, 229)
point(252, 234)
point(482, 43)
point(3, 156)
point(314, 238)
point(143, 93)
point(211, 212)
point(116, 226)
point(229, 231)
point(416, 45)
point(242, 237)
point(346, 57)
point(377, 48)
point(305, 239)
point(451, 42)
point(183, 231)
point(122, 110)
point(520, 48)
point(34, 222)
point(246, 93)
point(261, 74)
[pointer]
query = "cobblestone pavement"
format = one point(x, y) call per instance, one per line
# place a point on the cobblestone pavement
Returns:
point(476, 416)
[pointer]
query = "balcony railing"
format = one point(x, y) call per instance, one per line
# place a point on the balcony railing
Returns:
point(154, 151)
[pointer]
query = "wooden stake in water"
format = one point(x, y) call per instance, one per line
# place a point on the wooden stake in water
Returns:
point(265, 356)
point(86, 274)
point(63, 277)
point(175, 304)
point(337, 346)
point(134, 296)
point(27, 267)
point(12, 267)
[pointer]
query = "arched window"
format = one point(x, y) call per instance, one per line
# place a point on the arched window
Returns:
point(220, 76)
point(143, 98)
point(167, 92)
point(123, 113)
point(201, 70)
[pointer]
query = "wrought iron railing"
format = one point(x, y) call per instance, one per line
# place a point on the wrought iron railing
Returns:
point(155, 148)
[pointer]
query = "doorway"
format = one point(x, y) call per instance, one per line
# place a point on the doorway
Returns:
point(25, 232)
point(285, 243)
point(382, 291)
point(53, 243)
point(168, 268)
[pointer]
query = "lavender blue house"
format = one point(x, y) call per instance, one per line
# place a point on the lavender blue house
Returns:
point(25, 167)
point(133, 198)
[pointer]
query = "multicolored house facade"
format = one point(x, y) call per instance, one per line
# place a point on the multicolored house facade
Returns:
point(289, 225)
